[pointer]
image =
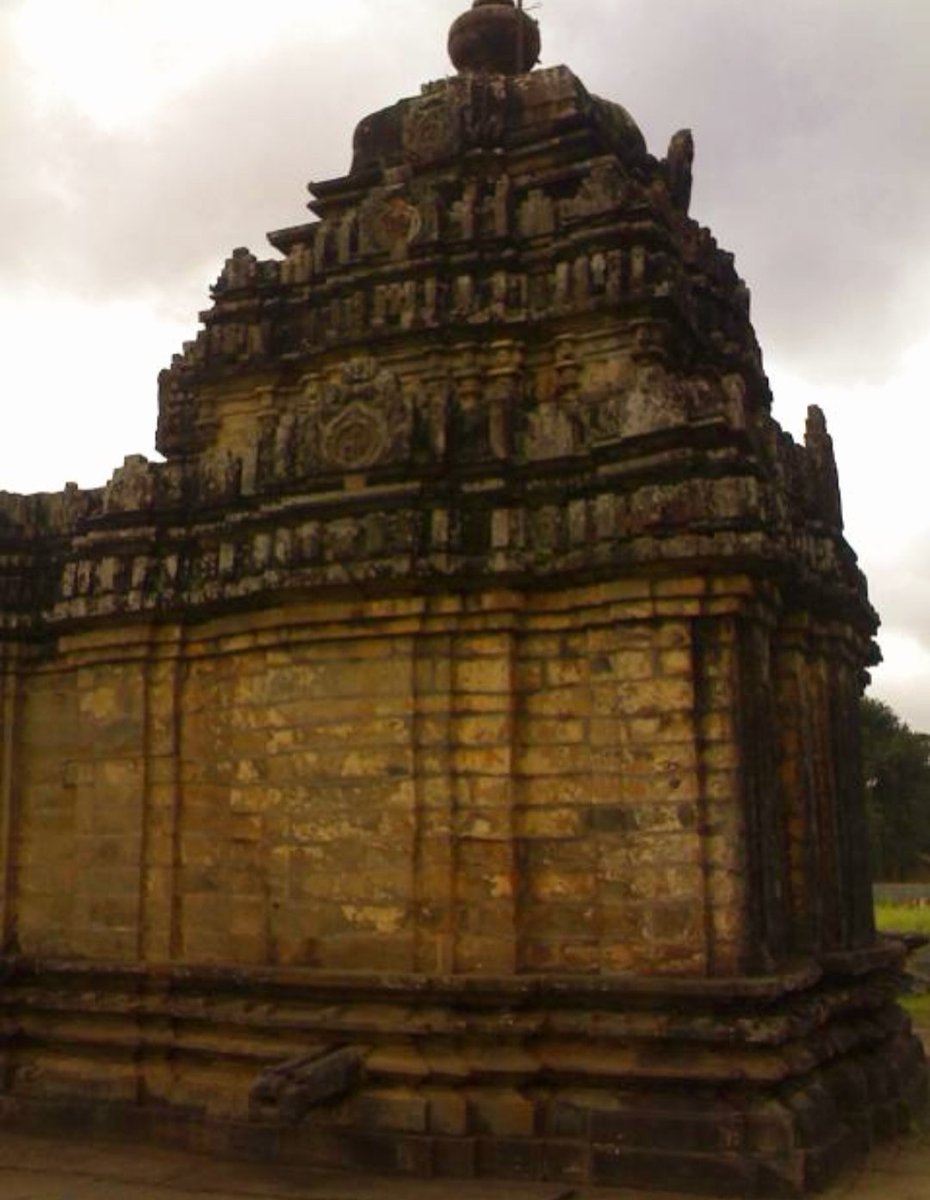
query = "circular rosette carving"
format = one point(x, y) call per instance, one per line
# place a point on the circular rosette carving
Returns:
point(355, 440)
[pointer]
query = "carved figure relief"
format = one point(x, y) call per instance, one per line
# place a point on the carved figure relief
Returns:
point(390, 222)
point(220, 475)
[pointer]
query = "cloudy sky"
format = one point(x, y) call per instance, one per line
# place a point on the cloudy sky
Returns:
point(141, 140)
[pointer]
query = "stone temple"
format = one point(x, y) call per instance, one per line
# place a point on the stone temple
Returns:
point(446, 761)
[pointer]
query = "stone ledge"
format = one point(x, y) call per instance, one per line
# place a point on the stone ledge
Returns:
point(474, 989)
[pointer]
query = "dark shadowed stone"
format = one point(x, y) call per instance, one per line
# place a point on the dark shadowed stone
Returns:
point(495, 38)
point(284, 1093)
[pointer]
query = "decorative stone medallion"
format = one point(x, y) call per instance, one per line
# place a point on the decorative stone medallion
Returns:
point(363, 417)
point(432, 131)
point(356, 439)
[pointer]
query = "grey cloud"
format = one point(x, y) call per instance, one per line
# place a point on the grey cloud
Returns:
point(902, 592)
point(909, 696)
point(155, 213)
point(812, 120)
point(909, 699)
point(811, 117)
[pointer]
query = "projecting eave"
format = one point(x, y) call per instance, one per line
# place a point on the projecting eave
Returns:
point(285, 240)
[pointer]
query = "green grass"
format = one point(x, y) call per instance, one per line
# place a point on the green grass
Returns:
point(902, 918)
point(907, 918)
point(918, 1005)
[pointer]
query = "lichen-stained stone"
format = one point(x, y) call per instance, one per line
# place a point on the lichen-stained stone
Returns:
point(474, 685)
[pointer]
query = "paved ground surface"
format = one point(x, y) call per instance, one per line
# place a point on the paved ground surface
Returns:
point(38, 1169)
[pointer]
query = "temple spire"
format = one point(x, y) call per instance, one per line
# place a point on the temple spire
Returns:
point(495, 37)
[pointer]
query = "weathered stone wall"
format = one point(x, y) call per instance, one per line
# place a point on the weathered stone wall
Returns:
point(587, 780)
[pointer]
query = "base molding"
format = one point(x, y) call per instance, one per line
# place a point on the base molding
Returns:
point(748, 1087)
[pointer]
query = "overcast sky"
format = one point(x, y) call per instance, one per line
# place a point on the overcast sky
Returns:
point(141, 140)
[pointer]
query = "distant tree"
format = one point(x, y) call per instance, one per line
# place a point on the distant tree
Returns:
point(896, 769)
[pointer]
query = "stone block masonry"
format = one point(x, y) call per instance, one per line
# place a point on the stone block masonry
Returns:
point(480, 784)
point(446, 761)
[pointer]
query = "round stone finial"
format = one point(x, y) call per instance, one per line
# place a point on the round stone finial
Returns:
point(496, 37)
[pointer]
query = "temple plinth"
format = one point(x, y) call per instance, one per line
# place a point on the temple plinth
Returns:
point(447, 760)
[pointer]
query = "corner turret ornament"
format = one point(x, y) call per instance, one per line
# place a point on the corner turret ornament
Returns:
point(496, 37)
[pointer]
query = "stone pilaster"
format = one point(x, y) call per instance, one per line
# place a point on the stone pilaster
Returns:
point(11, 657)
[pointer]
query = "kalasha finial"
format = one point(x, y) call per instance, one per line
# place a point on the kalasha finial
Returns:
point(495, 38)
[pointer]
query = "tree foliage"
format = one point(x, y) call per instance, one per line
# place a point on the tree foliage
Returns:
point(896, 770)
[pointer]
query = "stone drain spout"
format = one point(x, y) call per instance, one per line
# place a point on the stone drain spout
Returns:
point(285, 1093)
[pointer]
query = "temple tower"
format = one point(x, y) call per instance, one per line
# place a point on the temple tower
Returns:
point(446, 760)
